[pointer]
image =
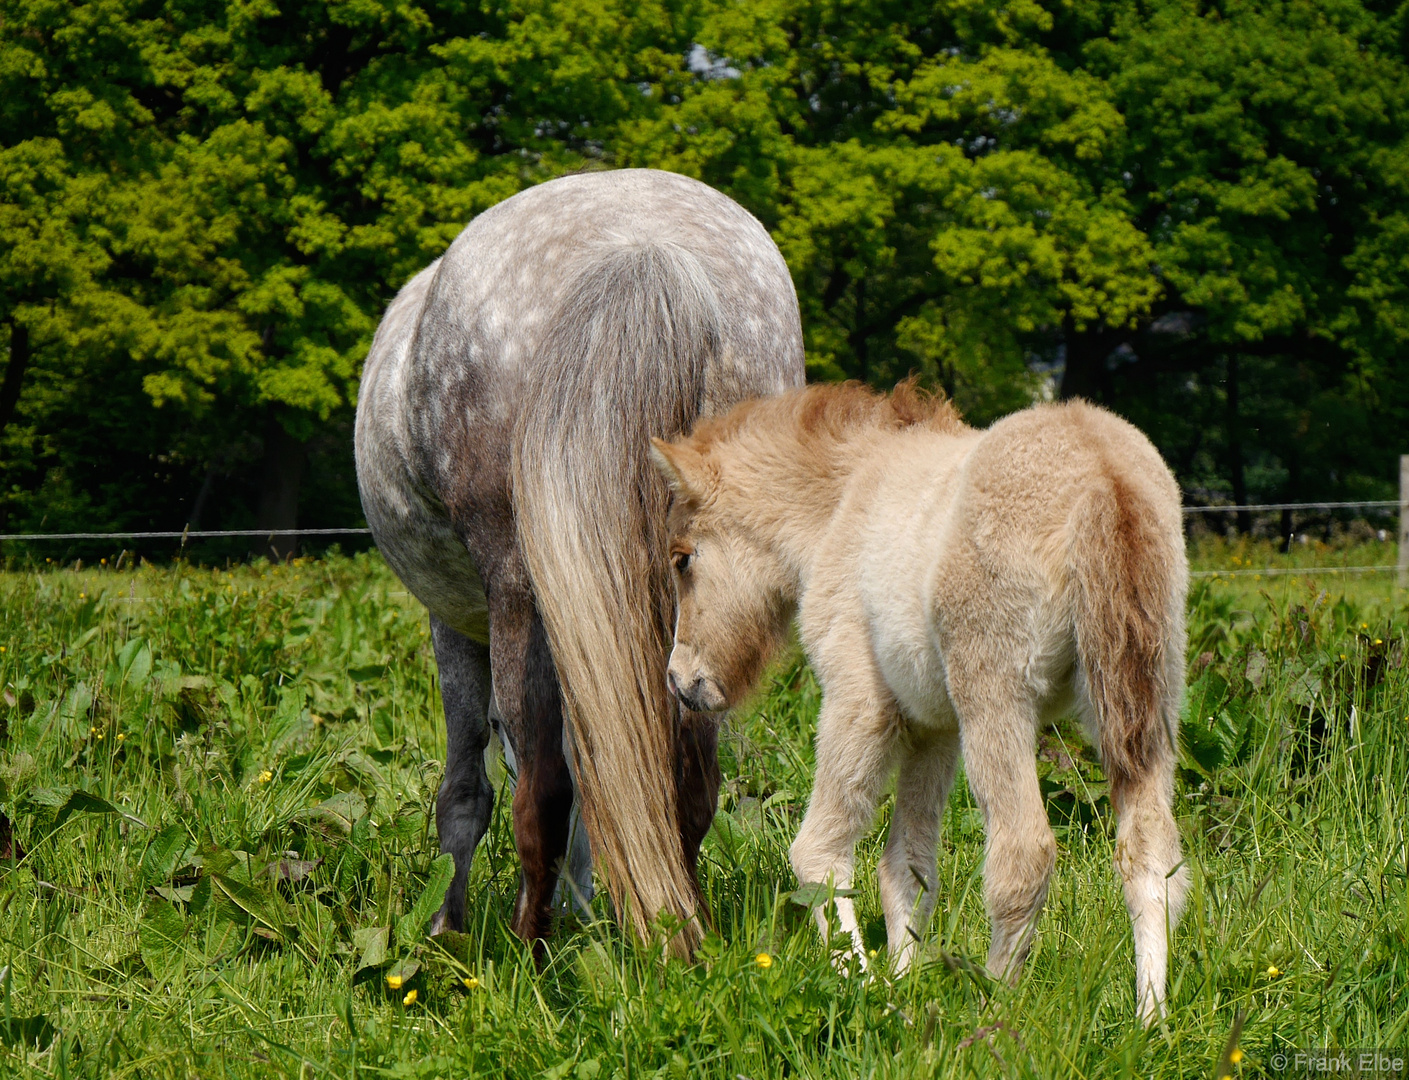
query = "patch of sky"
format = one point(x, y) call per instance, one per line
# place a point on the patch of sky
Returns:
point(708, 66)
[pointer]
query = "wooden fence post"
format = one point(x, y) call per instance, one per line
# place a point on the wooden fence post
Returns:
point(1403, 578)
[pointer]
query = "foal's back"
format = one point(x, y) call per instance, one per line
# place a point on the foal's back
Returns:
point(946, 515)
point(1026, 480)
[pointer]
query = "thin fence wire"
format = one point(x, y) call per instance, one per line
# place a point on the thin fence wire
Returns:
point(1252, 508)
point(1290, 571)
point(1270, 571)
point(184, 535)
point(212, 534)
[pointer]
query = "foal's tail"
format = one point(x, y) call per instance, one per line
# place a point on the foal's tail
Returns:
point(624, 360)
point(1131, 579)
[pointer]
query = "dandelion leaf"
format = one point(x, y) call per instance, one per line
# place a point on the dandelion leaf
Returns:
point(336, 815)
point(161, 937)
point(412, 926)
point(371, 945)
point(162, 854)
point(816, 893)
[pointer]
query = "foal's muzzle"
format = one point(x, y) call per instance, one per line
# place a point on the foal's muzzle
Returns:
point(696, 691)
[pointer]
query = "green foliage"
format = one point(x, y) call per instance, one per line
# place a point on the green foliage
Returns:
point(1192, 212)
point(226, 861)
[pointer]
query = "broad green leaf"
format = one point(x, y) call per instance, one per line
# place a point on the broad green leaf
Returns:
point(382, 727)
point(816, 893)
point(336, 815)
point(163, 853)
point(134, 662)
point(371, 946)
point(53, 797)
point(240, 902)
point(30, 1032)
point(412, 926)
point(85, 802)
point(403, 971)
point(161, 937)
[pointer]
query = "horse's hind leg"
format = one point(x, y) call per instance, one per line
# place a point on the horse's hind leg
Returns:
point(907, 870)
point(526, 692)
point(466, 800)
point(998, 726)
point(575, 884)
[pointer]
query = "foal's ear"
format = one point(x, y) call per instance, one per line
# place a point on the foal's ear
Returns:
point(683, 468)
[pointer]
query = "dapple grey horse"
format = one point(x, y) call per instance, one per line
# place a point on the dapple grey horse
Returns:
point(502, 434)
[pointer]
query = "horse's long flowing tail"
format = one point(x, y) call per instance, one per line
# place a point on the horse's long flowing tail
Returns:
point(1130, 578)
point(624, 360)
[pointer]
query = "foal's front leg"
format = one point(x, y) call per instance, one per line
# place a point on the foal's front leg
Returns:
point(856, 740)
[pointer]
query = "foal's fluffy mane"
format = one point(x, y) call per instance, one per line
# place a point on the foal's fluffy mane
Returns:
point(832, 413)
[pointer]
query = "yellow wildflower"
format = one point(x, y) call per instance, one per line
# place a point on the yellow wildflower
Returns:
point(763, 960)
point(265, 776)
point(2, 648)
point(121, 737)
point(409, 999)
point(470, 983)
point(1273, 971)
point(1379, 641)
point(394, 981)
point(1237, 1055)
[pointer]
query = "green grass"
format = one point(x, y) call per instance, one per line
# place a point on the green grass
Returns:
point(222, 783)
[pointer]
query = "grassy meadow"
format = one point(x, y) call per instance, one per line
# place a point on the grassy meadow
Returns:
point(223, 859)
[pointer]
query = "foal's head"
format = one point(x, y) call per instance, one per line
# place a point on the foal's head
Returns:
point(733, 592)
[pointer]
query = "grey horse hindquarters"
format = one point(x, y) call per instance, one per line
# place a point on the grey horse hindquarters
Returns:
point(410, 528)
point(456, 390)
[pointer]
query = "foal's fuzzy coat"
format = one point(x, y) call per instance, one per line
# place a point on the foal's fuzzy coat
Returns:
point(954, 589)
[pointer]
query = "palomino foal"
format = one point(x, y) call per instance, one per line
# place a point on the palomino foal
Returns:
point(954, 589)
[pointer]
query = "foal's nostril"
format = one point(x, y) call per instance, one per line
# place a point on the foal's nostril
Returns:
point(671, 683)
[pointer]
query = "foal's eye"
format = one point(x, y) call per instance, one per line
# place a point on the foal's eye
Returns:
point(681, 561)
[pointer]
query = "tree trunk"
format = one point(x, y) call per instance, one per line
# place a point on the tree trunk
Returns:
point(283, 475)
point(14, 373)
point(1235, 447)
point(858, 338)
point(1085, 373)
point(1293, 492)
point(195, 518)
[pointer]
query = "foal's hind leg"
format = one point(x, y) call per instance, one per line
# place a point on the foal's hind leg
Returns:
point(526, 692)
point(465, 801)
point(907, 870)
point(998, 725)
point(1146, 855)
